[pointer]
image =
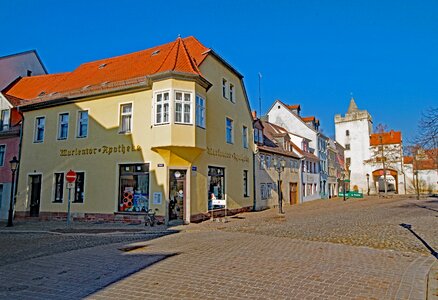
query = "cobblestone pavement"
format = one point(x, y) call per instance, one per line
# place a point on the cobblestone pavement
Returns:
point(326, 249)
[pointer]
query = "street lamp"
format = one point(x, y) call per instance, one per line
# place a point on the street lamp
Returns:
point(14, 165)
point(418, 186)
point(368, 182)
point(279, 167)
point(343, 180)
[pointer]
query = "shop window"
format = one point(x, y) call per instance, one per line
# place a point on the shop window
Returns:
point(245, 136)
point(63, 126)
point(83, 124)
point(200, 111)
point(269, 188)
point(4, 119)
point(59, 187)
point(79, 187)
point(229, 131)
point(183, 108)
point(134, 188)
point(40, 124)
point(245, 183)
point(216, 185)
point(2, 154)
point(125, 118)
point(264, 191)
point(162, 108)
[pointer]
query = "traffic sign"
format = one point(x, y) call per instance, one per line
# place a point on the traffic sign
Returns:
point(70, 176)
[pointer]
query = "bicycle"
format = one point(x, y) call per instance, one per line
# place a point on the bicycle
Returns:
point(150, 219)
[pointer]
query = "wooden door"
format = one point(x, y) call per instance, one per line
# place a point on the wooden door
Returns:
point(293, 193)
point(35, 195)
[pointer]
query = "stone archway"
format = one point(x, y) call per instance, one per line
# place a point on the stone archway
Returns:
point(391, 180)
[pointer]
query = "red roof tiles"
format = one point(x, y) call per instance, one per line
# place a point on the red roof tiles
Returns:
point(386, 138)
point(181, 56)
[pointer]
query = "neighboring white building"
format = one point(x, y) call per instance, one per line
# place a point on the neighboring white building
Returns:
point(353, 132)
point(288, 117)
point(426, 164)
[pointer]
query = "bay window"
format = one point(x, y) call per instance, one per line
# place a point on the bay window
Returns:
point(162, 106)
point(183, 108)
point(200, 111)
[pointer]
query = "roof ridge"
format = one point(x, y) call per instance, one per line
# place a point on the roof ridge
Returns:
point(189, 57)
point(167, 56)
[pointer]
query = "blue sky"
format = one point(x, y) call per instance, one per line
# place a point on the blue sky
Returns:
point(313, 53)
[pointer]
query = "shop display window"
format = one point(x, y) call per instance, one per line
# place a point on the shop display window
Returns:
point(134, 188)
point(216, 186)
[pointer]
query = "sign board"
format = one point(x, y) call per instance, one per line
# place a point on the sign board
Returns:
point(157, 198)
point(194, 168)
point(218, 202)
point(70, 185)
point(160, 165)
point(70, 176)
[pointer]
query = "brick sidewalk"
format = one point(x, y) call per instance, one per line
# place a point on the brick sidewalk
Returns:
point(218, 265)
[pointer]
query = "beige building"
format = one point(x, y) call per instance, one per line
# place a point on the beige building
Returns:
point(168, 129)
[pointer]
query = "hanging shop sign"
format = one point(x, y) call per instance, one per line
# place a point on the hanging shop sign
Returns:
point(102, 150)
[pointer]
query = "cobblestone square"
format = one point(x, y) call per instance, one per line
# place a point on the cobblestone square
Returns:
point(325, 249)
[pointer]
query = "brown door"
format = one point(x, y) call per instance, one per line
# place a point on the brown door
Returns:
point(177, 190)
point(293, 188)
point(35, 195)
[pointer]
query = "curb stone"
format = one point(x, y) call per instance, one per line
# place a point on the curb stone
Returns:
point(432, 283)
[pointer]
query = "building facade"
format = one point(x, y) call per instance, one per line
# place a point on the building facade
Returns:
point(12, 68)
point(277, 167)
point(314, 177)
point(168, 129)
point(353, 132)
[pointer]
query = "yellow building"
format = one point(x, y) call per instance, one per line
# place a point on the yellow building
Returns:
point(168, 129)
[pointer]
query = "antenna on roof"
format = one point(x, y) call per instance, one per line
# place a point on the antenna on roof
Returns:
point(260, 95)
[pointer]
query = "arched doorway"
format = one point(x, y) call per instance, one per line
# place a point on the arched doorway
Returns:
point(391, 180)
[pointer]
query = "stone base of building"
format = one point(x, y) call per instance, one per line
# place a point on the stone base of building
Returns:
point(122, 217)
point(132, 218)
point(218, 213)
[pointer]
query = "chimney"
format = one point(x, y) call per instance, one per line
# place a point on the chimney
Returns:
point(254, 114)
point(29, 73)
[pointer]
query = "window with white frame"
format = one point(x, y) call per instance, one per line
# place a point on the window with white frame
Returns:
point(232, 93)
point(224, 88)
point(59, 187)
point(229, 131)
point(162, 106)
point(2, 154)
point(263, 191)
point(40, 124)
point(268, 161)
point(125, 118)
point(262, 161)
point(200, 111)
point(63, 126)
point(183, 107)
point(256, 135)
point(245, 137)
point(82, 123)
point(5, 113)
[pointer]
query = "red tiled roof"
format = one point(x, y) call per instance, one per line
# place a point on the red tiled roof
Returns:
point(308, 119)
point(32, 87)
point(427, 162)
point(385, 138)
point(294, 106)
point(182, 56)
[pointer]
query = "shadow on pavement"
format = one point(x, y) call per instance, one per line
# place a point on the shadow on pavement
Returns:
point(409, 227)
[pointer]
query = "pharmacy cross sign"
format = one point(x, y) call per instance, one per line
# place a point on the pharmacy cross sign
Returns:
point(71, 176)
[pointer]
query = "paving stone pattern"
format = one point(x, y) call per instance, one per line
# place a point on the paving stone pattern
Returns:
point(326, 249)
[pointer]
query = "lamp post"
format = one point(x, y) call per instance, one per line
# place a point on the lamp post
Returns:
point(343, 180)
point(279, 167)
point(368, 183)
point(418, 186)
point(14, 165)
